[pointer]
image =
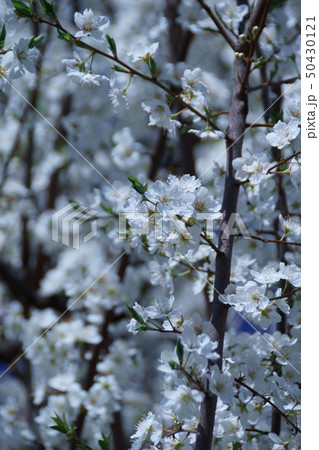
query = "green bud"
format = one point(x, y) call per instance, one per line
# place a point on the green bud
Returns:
point(180, 351)
point(35, 40)
point(105, 442)
point(64, 36)
point(48, 8)
point(2, 36)
point(139, 187)
point(173, 365)
point(112, 45)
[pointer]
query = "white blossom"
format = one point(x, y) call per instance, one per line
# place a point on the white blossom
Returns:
point(24, 57)
point(269, 274)
point(283, 133)
point(290, 272)
point(232, 15)
point(142, 52)
point(118, 97)
point(161, 307)
point(149, 427)
point(290, 225)
point(251, 167)
point(91, 25)
point(160, 115)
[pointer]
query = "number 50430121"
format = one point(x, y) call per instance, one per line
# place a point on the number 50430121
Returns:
point(310, 47)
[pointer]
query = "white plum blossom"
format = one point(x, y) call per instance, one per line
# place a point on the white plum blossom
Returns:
point(160, 115)
point(87, 79)
point(290, 225)
point(280, 444)
point(161, 275)
point(63, 382)
point(200, 344)
point(192, 17)
point(283, 133)
point(8, 16)
point(81, 74)
point(186, 183)
point(252, 167)
point(118, 97)
point(250, 297)
point(208, 134)
point(294, 171)
point(7, 71)
point(232, 15)
point(290, 272)
point(161, 307)
point(205, 203)
point(220, 383)
point(192, 80)
point(184, 401)
point(126, 148)
point(292, 108)
point(133, 324)
point(170, 199)
point(269, 274)
point(147, 428)
point(91, 25)
point(24, 57)
point(142, 52)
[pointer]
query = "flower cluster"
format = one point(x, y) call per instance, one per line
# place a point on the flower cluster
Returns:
point(178, 209)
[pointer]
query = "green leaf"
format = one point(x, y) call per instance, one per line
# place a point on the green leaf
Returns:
point(274, 70)
point(142, 328)
point(274, 117)
point(35, 40)
point(106, 209)
point(152, 66)
point(61, 423)
point(48, 8)
point(139, 187)
point(184, 129)
point(2, 36)
point(135, 315)
point(173, 365)
point(180, 351)
point(64, 36)
point(258, 63)
point(105, 443)
point(112, 45)
point(80, 44)
point(22, 10)
point(119, 69)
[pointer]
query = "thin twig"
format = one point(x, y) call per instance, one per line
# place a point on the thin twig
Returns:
point(265, 125)
point(277, 241)
point(219, 26)
point(131, 70)
point(273, 83)
point(282, 161)
point(267, 400)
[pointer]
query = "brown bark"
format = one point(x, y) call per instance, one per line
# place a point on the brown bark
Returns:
point(234, 140)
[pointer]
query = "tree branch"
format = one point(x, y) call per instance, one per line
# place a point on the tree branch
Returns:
point(219, 26)
point(234, 140)
point(267, 400)
point(130, 70)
